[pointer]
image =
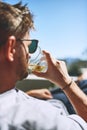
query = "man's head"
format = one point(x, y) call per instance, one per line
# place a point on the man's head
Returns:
point(16, 21)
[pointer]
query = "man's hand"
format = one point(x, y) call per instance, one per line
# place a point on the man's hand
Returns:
point(57, 71)
point(40, 93)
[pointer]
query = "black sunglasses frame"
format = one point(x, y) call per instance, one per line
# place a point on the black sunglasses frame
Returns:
point(33, 46)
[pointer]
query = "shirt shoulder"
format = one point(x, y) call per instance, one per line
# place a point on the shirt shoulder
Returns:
point(20, 111)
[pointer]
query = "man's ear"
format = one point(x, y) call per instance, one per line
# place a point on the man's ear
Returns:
point(10, 48)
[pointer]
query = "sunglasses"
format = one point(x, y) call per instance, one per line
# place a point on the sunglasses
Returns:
point(33, 44)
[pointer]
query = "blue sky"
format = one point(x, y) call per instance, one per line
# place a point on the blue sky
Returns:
point(61, 25)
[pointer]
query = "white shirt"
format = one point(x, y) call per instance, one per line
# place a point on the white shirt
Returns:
point(18, 111)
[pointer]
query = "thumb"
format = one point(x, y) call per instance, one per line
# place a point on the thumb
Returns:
point(40, 74)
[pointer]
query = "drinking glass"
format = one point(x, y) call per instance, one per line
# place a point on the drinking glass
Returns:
point(37, 61)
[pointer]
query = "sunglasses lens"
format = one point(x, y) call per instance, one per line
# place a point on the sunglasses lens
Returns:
point(33, 46)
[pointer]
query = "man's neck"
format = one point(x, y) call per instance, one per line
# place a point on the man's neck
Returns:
point(6, 82)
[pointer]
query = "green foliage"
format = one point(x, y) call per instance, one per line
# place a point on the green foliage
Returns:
point(74, 69)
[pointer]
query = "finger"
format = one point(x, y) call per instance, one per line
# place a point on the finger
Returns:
point(48, 92)
point(48, 56)
point(48, 96)
point(39, 74)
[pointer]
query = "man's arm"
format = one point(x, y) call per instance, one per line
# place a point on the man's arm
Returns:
point(40, 93)
point(57, 73)
point(78, 99)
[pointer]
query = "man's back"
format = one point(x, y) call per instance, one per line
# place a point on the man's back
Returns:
point(20, 111)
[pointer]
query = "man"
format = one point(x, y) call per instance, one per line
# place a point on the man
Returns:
point(19, 111)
